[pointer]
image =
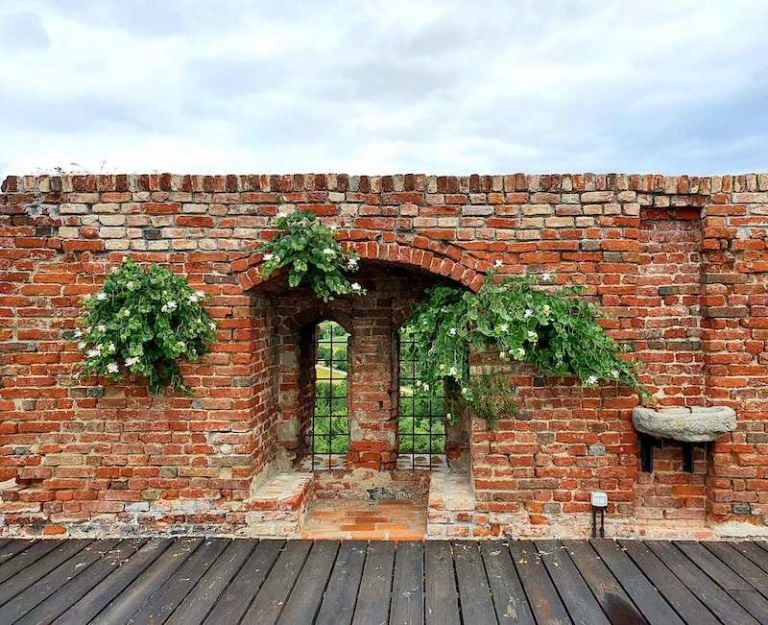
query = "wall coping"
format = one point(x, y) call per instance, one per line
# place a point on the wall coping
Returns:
point(649, 183)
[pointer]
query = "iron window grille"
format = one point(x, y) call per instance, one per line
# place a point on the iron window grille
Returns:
point(421, 422)
point(330, 423)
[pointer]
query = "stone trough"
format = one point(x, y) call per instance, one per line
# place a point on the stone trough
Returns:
point(688, 425)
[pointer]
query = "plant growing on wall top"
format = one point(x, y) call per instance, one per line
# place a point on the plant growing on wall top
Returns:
point(313, 257)
point(554, 330)
point(141, 323)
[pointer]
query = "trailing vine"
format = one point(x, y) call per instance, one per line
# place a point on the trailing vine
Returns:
point(554, 330)
point(141, 323)
point(310, 253)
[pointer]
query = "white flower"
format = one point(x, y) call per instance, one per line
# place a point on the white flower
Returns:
point(200, 294)
point(356, 287)
point(212, 325)
point(169, 306)
point(268, 257)
point(182, 345)
point(520, 353)
point(441, 366)
point(78, 334)
point(546, 309)
point(129, 284)
point(546, 277)
point(93, 353)
point(615, 373)
point(528, 313)
point(101, 296)
point(532, 336)
point(112, 367)
point(498, 263)
point(592, 380)
point(352, 263)
point(192, 299)
point(448, 416)
point(453, 371)
point(464, 390)
point(328, 251)
point(503, 327)
point(452, 331)
point(81, 345)
point(425, 386)
point(129, 362)
point(101, 327)
point(111, 347)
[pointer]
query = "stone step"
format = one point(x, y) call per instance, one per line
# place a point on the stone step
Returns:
point(284, 491)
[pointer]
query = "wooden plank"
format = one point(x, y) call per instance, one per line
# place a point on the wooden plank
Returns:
point(441, 599)
point(750, 550)
point(582, 606)
point(507, 591)
point(269, 601)
point(407, 601)
point(161, 604)
point(675, 592)
point(307, 595)
point(542, 595)
point(646, 597)
point(726, 578)
point(203, 596)
point(101, 595)
point(709, 593)
point(338, 605)
point(68, 594)
point(616, 603)
point(12, 547)
point(122, 606)
point(236, 598)
point(26, 556)
point(62, 552)
point(748, 570)
point(44, 587)
point(474, 591)
point(375, 592)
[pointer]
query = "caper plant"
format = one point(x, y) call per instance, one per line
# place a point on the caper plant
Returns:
point(552, 329)
point(141, 324)
point(308, 250)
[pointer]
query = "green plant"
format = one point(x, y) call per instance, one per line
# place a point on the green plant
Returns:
point(554, 330)
point(491, 397)
point(142, 323)
point(312, 256)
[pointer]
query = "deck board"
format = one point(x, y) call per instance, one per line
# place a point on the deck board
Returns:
point(215, 581)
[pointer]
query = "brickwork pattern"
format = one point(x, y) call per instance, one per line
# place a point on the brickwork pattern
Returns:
point(679, 263)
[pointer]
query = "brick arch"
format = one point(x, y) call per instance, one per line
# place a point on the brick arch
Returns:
point(441, 260)
point(314, 314)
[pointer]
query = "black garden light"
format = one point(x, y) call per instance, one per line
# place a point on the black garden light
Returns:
point(599, 501)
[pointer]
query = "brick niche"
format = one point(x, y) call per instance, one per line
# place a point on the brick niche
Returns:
point(680, 265)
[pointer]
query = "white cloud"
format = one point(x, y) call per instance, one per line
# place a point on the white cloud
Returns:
point(450, 86)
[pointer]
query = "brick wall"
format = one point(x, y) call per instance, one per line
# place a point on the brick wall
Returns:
point(679, 263)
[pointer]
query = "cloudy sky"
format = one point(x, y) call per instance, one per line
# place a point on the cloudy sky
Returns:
point(363, 86)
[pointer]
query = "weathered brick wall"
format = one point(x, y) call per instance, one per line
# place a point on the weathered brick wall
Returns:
point(679, 264)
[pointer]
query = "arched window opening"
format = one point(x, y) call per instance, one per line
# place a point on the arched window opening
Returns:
point(330, 422)
point(421, 423)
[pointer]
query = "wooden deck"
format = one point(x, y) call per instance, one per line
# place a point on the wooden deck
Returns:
point(192, 581)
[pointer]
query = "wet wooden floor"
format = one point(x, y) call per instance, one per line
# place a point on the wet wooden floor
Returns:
point(194, 581)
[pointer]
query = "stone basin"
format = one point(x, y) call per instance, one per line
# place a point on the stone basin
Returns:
point(690, 425)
